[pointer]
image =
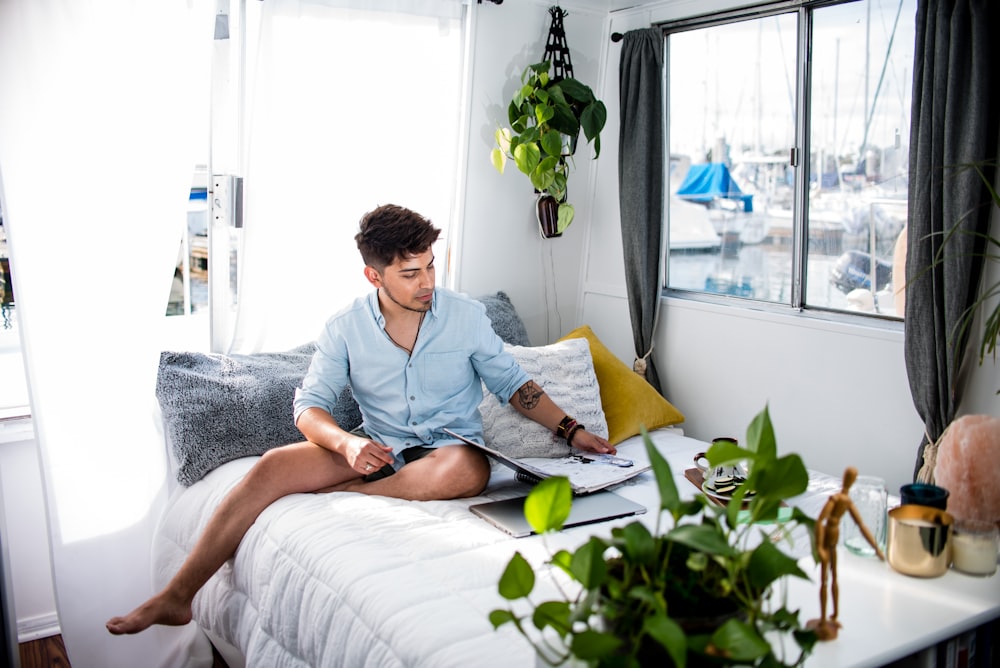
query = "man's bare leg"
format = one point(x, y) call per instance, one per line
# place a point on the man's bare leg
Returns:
point(300, 467)
point(449, 472)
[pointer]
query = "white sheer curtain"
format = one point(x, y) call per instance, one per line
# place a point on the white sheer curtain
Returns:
point(101, 103)
point(351, 105)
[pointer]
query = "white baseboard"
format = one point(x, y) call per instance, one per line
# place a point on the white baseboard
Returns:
point(40, 626)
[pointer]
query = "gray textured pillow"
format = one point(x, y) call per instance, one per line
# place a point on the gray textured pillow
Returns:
point(505, 320)
point(217, 408)
point(565, 370)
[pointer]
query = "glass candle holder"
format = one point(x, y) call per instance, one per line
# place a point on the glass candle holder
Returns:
point(975, 545)
point(870, 498)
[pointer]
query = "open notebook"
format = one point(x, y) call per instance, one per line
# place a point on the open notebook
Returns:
point(586, 472)
point(508, 514)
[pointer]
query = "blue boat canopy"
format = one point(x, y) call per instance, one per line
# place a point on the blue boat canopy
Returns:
point(707, 181)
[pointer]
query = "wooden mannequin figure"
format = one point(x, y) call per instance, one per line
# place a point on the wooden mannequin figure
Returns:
point(827, 537)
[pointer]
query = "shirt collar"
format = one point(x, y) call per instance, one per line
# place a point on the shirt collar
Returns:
point(377, 312)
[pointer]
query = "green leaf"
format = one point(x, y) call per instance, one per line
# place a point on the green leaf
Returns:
point(727, 452)
point(576, 90)
point(760, 436)
point(639, 546)
point(564, 217)
point(554, 614)
point(739, 642)
point(548, 504)
point(498, 159)
point(670, 635)
point(669, 498)
point(541, 67)
point(552, 143)
point(653, 599)
point(768, 563)
point(562, 559)
point(588, 565)
point(518, 578)
point(544, 175)
point(500, 617)
point(544, 112)
point(704, 537)
point(785, 477)
point(590, 645)
point(526, 157)
point(592, 120)
point(502, 136)
point(514, 112)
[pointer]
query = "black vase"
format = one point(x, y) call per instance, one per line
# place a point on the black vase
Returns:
point(547, 212)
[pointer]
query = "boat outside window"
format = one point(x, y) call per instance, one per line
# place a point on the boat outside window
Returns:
point(788, 171)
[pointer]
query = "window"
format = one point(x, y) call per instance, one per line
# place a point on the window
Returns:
point(189, 288)
point(788, 153)
point(13, 389)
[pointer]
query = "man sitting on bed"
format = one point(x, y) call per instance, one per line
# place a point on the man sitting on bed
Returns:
point(414, 356)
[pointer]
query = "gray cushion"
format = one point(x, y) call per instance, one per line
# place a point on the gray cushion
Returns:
point(217, 408)
point(505, 320)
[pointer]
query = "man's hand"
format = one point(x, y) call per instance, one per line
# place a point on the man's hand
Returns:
point(584, 440)
point(366, 456)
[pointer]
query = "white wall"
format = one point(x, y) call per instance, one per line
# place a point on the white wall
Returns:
point(500, 247)
point(26, 532)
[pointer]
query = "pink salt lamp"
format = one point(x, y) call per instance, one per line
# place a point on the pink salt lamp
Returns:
point(968, 465)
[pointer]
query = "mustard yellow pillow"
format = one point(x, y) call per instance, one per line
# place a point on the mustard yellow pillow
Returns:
point(629, 402)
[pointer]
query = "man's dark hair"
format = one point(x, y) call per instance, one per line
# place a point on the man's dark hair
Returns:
point(392, 232)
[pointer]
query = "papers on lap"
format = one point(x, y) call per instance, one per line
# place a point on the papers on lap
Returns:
point(585, 471)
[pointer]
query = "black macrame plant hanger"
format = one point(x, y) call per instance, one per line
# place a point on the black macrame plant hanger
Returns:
point(556, 49)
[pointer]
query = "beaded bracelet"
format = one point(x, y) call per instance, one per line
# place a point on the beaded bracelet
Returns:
point(565, 425)
point(572, 432)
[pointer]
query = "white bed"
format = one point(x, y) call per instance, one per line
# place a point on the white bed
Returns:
point(355, 580)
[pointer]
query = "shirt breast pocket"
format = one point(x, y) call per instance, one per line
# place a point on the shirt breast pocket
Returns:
point(446, 372)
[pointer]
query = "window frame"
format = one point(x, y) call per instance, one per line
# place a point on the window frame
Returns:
point(797, 305)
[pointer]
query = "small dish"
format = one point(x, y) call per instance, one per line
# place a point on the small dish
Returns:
point(722, 496)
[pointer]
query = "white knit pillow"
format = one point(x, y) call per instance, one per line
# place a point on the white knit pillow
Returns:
point(565, 370)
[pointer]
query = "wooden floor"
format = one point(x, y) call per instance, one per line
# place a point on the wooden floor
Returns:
point(51, 653)
point(44, 653)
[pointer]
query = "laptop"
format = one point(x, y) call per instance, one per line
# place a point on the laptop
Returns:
point(508, 515)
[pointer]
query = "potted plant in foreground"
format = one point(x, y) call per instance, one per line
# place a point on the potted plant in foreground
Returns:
point(696, 592)
point(546, 115)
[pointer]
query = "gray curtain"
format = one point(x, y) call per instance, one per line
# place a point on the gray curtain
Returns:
point(954, 123)
point(640, 185)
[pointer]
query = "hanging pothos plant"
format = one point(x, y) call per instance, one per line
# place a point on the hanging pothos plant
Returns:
point(546, 116)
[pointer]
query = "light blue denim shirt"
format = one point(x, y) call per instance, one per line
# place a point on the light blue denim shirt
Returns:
point(407, 400)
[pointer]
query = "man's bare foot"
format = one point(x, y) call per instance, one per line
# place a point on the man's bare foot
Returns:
point(161, 609)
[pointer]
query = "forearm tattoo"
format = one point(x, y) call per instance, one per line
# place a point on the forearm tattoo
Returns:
point(529, 395)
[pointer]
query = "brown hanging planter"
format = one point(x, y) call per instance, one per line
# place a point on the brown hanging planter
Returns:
point(547, 212)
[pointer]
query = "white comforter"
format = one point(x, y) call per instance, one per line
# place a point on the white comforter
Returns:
point(354, 580)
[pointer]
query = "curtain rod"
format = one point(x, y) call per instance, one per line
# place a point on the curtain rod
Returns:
point(495, 2)
point(617, 37)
